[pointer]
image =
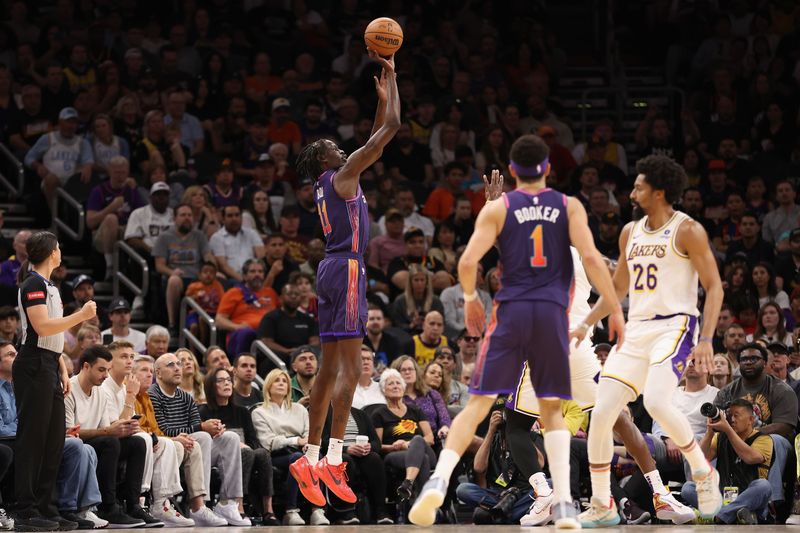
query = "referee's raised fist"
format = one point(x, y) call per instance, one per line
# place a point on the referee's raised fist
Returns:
point(89, 309)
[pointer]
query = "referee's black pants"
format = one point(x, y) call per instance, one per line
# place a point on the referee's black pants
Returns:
point(110, 452)
point(40, 431)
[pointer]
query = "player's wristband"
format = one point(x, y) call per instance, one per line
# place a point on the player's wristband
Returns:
point(705, 339)
point(470, 297)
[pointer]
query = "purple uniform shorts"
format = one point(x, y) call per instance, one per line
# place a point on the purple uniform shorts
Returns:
point(342, 298)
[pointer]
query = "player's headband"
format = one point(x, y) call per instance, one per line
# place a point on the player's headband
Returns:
point(538, 170)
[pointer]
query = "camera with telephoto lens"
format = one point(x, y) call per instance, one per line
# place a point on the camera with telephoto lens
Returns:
point(709, 410)
point(501, 511)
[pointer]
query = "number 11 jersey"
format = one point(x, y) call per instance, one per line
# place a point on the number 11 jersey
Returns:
point(534, 248)
point(663, 281)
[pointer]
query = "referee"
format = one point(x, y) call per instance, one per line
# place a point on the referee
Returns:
point(41, 381)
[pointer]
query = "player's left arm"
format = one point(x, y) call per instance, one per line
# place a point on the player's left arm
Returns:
point(693, 239)
point(346, 183)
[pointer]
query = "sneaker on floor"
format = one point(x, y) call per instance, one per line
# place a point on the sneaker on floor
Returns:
point(633, 514)
point(167, 513)
point(269, 519)
point(308, 481)
point(74, 517)
point(431, 497)
point(599, 515)
point(293, 518)
point(6, 522)
point(318, 518)
point(230, 512)
point(335, 478)
point(349, 519)
point(63, 523)
point(34, 524)
point(118, 520)
point(565, 516)
point(140, 513)
point(746, 517)
point(709, 498)
point(203, 517)
point(668, 508)
point(793, 520)
point(384, 520)
point(539, 512)
point(98, 522)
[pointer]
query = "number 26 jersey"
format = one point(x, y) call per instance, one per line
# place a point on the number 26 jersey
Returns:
point(663, 281)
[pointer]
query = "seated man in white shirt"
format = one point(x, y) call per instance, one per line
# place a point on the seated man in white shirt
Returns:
point(162, 462)
point(233, 245)
point(146, 223)
point(368, 391)
point(119, 312)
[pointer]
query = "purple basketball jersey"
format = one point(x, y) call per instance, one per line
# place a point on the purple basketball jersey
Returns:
point(345, 222)
point(535, 248)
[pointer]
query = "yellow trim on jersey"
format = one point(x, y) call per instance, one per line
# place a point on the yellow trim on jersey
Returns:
point(677, 342)
point(622, 381)
point(672, 240)
point(664, 225)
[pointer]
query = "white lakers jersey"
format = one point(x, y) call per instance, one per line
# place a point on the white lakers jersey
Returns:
point(579, 309)
point(663, 281)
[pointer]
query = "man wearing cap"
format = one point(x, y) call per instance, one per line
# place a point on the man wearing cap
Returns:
point(82, 292)
point(148, 222)
point(264, 176)
point(286, 328)
point(304, 362)
point(232, 245)
point(281, 127)
point(750, 242)
point(779, 222)
point(601, 350)
point(384, 248)
point(223, 191)
point(192, 135)
point(61, 154)
point(310, 226)
point(289, 224)
point(109, 206)
point(607, 240)
point(120, 314)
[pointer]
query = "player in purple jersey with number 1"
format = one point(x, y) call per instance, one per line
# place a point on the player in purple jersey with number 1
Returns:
point(341, 286)
point(533, 227)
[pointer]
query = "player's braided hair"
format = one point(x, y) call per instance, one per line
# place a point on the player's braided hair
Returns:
point(308, 164)
point(663, 174)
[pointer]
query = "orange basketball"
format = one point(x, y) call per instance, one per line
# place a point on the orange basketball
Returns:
point(384, 35)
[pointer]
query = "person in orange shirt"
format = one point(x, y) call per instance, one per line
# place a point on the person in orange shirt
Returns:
point(242, 307)
point(281, 128)
point(441, 201)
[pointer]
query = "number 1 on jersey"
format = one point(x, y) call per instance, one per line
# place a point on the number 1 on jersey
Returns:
point(323, 218)
point(538, 259)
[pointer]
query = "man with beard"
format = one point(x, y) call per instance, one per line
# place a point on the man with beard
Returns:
point(405, 203)
point(242, 307)
point(732, 342)
point(277, 262)
point(304, 362)
point(82, 292)
point(774, 401)
point(386, 346)
point(468, 347)
point(233, 245)
point(787, 265)
point(750, 242)
point(146, 223)
point(286, 328)
point(179, 254)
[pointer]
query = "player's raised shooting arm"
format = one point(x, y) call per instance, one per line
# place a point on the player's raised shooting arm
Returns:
point(487, 227)
point(692, 237)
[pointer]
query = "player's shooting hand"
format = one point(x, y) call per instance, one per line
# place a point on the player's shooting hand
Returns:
point(494, 188)
point(474, 317)
point(386, 63)
point(616, 326)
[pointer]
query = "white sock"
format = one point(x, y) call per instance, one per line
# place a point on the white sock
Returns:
point(697, 461)
point(109, 261)
point(656, 485)
point(601, 483)
point(448, 460)
point(539, 483)
point(334, 455)
point(312, 454)
point(556, 445)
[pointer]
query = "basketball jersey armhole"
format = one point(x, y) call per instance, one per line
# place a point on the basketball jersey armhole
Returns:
point(674, 236)
point(352, 199)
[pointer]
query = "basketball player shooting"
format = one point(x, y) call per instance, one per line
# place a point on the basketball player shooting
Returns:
point(341, 286)
point(662, 255)
point(533, 227)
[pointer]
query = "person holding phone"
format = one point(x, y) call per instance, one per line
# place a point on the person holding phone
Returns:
point(41, 382)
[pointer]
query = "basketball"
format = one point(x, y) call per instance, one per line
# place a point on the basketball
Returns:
point(384, 35)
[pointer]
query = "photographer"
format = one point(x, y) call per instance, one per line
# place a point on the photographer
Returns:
point(501, 495)
point(744, 456)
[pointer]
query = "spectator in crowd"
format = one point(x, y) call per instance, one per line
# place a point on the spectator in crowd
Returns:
point(735, 338)
point(398, 270)
point(282, 428)
point(778, 365)
point(106, 145)
point(119, 311)
point(190, 456)
point(88, 335)
point(310, 225)
point(256, 461)
point(192, 378)
point(368, 391)
point(9, 325)
point(159, 145)
point(444, 246)
point(316, 253)
point(279, 265)
point(410, 307)
point(304, 364)
point(148, 222)
point(177, 414)
point(419, 394)
point(405, 203)
point(224, 192)
point(205, 216)
point(722, 371)
point(779, 222)
point(286, 328)
point(385, 248)
point(771, 326)
point(787, 264)
point(405, 435)
point(608, 231)
point(764, 287)
point(244, 374)
point(10, 267)
point(215, 357)
point(233, 245)
point(430, 338)
point(112, 439)
point(452, 299)
point(744, 456)
point(82, 292)
point(191, 131)
point(156, 341)
point(723, 322)
point(289, 224)
point(281, 128)
point(109, 206)
point(385, 345)
point(468, 347)
point(207, 291)
point(307, 302)
point(446, 357)
point(28, 124)
point(441, 201)
point(179, 253)
point(61, 154)
point(257, 214)
point(750, 241)
point(775, 402)
point(242, 307)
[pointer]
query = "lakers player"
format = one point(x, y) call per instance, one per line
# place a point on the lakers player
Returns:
point(661, 257)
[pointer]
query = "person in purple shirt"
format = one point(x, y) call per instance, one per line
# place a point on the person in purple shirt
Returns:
point(109, 206)
point(10, 267)
point(427, 400)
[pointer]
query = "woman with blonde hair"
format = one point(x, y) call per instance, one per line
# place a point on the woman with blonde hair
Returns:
point(88, 335)
point(419, 394)
point(191, 377)
point(205, 217)
point(282, 428)
point(128, 119)
point(437, 379)
point(722, 372)
point(409, 309)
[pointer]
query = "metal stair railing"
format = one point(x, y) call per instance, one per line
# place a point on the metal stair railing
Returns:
point(62, 224)
point(121, 247)
point(15, 191)
point(185, 334)
point(259, 347)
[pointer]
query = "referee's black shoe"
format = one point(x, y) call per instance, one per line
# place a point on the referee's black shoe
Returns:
point(140, 513)
point(34, 524)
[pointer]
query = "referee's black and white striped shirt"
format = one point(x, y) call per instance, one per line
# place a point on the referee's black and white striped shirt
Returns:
point(36, 290)
point(175, 414)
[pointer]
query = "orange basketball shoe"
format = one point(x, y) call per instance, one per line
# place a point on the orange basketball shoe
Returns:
point(335, 478)
point(308, 481)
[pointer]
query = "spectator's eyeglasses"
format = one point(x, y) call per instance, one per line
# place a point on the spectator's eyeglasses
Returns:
point(750, 359)
point(224, 380)
point(471, 339)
